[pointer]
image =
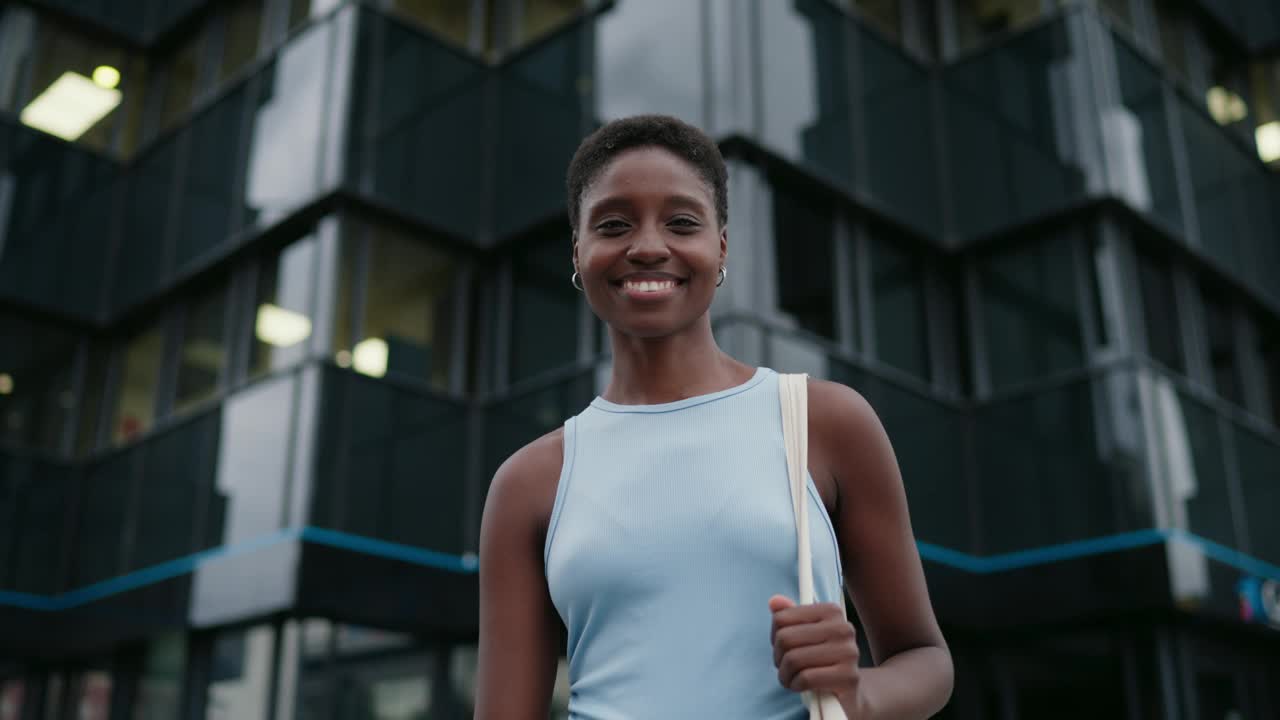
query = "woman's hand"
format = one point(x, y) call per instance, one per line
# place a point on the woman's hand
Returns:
point(815, 648)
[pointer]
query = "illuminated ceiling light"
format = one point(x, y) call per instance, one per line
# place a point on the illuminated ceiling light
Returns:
point(281, 328)
point(343, 358)
point(70, 106)
point(370, 357)
point(1225, 106)
point(1268, 137)
point(105, 76)
point(6, 383)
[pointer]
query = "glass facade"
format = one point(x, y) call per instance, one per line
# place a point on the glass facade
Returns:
point(275, 311)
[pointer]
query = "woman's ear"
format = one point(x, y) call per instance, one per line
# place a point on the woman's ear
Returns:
point(724, 244)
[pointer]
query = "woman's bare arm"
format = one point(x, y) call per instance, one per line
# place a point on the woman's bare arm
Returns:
point(914, 675)
point(519, 628)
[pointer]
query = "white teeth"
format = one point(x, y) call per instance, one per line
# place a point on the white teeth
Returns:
point(650, 285)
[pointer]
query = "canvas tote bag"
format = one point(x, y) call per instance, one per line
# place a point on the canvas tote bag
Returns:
point(793, 391)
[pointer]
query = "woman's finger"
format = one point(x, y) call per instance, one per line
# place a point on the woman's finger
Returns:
point(796, 662)
point(797, 636)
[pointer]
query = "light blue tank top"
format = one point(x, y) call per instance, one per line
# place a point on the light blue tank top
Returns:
point(671, 529)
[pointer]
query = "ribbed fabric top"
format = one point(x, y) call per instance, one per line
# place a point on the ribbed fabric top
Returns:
point(671, 529)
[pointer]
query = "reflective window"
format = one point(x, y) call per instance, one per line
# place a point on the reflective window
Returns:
point(979, 20)
point(287, 128)
point(450, 19)
point(243, 32)
point(209, 179)
point(1268, 339)
point(804, 241)
point(897, 287)
point(1219, 327)
point(648, 55)
point(168, 512)
point(101, 84)
point(36, 390)
point(885, 15)
point(300, 11)
point(544, 307)
point(180, 85)
point(1160, 310)
point(1119, 12)
point(541, 16)
point(1173, 43)
point(139, 375)
point(106, 495)
point(240, 674)
point(896, 107)
point(203, 356)
point(1265, 86)
point(282, 308)
point(159, 693)
point(1031, 311)
point(410, 305)
point(805, 81)
point(1140, 133)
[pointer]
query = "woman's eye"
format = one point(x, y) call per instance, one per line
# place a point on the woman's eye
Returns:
point(684, 222)
point(611, 226)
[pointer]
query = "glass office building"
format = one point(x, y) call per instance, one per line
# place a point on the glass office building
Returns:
point(283, 281)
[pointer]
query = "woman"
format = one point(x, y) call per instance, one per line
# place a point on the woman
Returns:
point(657, 524)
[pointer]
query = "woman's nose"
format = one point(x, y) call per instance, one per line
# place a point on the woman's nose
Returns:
point(648, 247)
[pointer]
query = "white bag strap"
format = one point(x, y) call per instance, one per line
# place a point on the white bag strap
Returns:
point(793, 392)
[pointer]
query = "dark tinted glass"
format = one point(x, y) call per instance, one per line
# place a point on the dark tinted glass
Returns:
point(1160, 311)
point(100, 535)
point(1140, 138)
point(1219, 327)
point(804, 239)
point(37, 396)
point(806, 85)
point(202, 358)
point(545, 309)
point(282, 308)
point(897, 287)
point(140, 263)
point(1030, 309)
point(209, 181)
point(1207, 502)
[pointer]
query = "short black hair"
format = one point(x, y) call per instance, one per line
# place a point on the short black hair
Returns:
point(616, 137)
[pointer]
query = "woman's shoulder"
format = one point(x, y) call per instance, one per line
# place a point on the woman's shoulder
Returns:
point(526, 483)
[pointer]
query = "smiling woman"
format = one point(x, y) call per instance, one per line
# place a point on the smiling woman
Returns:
point(655, 527)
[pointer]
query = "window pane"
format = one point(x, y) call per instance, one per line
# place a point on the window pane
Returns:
point(36, 398)
point(181, 85)
point(136, 395)
point(98, 67)
point(244, 28)
point(1151, 183)
point(410, 303)
point(450, 19)
point(1220, 333)
point(1269, 352)
point(979, 20)
point(806, 85)
point(282, 315)
point(648, 57)
point(898, 301)
point(804, 240)
point(204, 351)
point(1160, 311)
point(1172, 40)
point(301, 11)
point(160, 683)
point(885, 15)
point(1030, 310)
point(544, 307)
point(286, 128)
point(542, 16)
point(207, 203)
point(240, 674)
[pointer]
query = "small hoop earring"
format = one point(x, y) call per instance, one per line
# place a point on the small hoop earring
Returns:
point(576, 281)
point(723, 274)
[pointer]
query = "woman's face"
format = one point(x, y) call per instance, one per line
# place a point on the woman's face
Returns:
point(649, 246)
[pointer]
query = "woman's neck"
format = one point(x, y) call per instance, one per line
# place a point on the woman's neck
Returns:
point(651, 371)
